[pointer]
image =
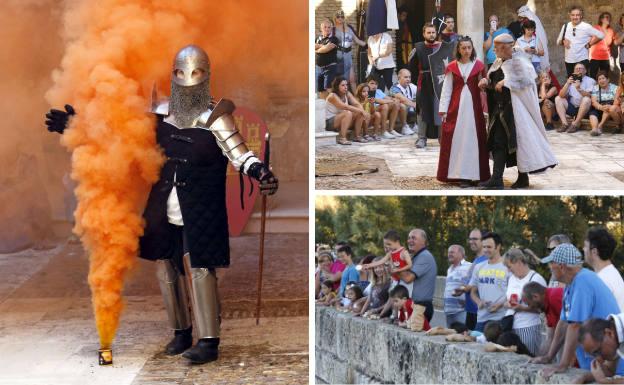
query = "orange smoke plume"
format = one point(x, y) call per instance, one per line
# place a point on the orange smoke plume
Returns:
point(115, 50)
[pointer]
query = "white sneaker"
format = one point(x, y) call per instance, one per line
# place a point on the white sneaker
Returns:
point(407, 131)
point(393, 132)
point(387, 135)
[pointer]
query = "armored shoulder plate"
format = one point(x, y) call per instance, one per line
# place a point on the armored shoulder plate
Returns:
point(161, 108)
point(221, 123)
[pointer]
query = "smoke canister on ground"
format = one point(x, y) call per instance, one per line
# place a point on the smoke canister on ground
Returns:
point(105, 356)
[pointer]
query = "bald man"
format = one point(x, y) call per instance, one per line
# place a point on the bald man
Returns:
point(405, 92)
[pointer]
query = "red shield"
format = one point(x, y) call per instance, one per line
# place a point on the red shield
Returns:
point(253, 129)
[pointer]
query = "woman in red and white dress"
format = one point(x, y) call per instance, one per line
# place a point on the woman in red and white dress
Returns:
point(463, 149)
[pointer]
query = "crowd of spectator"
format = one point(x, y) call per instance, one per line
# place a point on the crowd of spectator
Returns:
point(574, 320)
point(591, 52)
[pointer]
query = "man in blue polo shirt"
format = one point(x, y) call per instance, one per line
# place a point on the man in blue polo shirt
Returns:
point(585, 297)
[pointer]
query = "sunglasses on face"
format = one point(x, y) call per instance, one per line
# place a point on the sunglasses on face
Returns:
point(474, 239)
point(340, 17)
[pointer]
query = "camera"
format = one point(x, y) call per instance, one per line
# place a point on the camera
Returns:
point(577, 77)
point(371, 94)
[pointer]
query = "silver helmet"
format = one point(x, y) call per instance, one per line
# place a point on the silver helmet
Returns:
point(190, 85)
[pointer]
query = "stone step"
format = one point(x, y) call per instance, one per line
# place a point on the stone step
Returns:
point(288, 214)
point(325, 138)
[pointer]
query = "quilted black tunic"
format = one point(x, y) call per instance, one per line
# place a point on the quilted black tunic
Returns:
point(200, 168)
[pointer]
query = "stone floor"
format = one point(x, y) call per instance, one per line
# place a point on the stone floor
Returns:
point(48, 336)
point(585, 162)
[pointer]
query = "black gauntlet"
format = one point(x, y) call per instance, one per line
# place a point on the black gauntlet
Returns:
point(268, 181)
point(56, 120)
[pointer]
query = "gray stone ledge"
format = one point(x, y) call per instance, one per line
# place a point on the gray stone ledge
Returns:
point(352, 350)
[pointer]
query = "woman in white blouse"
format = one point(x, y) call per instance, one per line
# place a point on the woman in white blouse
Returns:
point(527, 323)
point(381, 62)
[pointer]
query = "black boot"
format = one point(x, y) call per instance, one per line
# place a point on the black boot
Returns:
point(496, 181)
point(522, 182)
point(206, 350)
point(182, 340)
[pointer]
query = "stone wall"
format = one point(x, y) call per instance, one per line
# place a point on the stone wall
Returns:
point(352, 350)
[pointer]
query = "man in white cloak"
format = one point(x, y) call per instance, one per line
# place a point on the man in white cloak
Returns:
point(516, 135)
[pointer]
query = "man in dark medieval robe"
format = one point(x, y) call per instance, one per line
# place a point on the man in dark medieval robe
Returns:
point(426, 98)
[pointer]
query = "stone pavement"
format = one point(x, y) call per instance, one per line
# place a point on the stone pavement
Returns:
point(585, 162)
point(48, 336)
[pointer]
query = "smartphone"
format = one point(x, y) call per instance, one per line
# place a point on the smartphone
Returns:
point(493, 24)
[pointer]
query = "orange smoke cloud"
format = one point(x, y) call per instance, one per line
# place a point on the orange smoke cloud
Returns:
point(115, 50)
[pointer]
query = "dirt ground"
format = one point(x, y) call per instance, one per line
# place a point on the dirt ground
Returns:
point(331, 173)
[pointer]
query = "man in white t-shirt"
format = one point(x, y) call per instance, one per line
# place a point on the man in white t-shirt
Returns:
point(598, 249)
point(577, 37)
point(574, 99)
point(405, 92)
point(457, 277)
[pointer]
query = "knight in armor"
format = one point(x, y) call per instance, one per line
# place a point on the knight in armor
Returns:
point(426, 98)
point(186, 225)
point(516, 132)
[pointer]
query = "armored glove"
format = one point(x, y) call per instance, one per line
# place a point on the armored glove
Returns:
point(57, 119)
point(268, 181)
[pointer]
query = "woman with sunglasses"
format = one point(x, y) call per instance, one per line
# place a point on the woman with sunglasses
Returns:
point(600, 53)
point(346, 35)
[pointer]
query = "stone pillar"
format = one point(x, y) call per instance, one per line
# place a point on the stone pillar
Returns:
point(470, 21)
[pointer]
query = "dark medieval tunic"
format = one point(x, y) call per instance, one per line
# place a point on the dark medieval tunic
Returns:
point(502, 126)
point(200, 171)
point(425, 96)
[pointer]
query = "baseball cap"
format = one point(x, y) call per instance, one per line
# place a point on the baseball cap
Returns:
point(566, 254)
point(340, 12)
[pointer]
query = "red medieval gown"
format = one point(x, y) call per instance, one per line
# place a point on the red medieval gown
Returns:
point(463, 148)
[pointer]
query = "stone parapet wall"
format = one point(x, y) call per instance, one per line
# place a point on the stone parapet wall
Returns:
point(352, 350)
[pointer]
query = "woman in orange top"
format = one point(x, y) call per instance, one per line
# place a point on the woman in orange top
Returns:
point(600, 53)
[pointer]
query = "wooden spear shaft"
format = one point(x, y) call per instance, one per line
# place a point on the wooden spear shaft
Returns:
point(267, 155)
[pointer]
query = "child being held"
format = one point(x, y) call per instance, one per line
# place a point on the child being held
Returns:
point(327, 294)
point(396, 254)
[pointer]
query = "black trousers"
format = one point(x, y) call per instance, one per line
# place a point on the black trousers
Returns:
point(384, 76)
point(570, 67)
point(471, 320)
point(428, 309)
point(599, 65)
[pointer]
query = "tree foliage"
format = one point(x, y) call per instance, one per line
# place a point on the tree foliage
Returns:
point(526, 221)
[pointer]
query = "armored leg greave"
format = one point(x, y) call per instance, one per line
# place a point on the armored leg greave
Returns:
point(205, 300)
point(174, 293)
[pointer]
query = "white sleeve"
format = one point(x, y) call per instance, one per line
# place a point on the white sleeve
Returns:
point(596, 32)
point(447, 90)
point(247, 158)
point(519, 73)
